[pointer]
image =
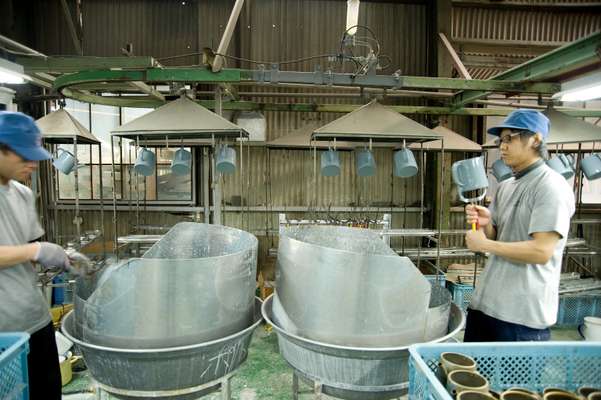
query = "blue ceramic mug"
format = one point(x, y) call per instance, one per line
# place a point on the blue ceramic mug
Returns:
point(501, 171)
point(561, 164)
point(64, 161)
point(330, 163)
point(405, 165)
point(470, 175)
point(145, 162)
point(182, 159)
point(366, 164)
point(591, 166)
point(225, 160)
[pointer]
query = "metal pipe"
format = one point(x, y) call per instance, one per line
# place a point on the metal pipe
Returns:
point(206, 187)
point(114, 176)
point(227, 35)
point(441, 199)
point(76, 220)
point(101, 194)
point(137, 149)
point(21, 47)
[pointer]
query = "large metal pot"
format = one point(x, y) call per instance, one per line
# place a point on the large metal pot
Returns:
point(194, 285)
point(182, 373)
point(353, 373)
point(345, 286)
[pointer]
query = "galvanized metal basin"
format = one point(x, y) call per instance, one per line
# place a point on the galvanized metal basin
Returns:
point(361, 373)
point(195, 285)
point(345, 286)
point(182, 373)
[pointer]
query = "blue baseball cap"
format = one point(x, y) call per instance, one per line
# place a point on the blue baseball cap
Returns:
point(531, 120)
point(20, 133)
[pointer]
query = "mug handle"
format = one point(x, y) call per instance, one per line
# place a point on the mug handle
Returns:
point(580, 331)
point(455, 173)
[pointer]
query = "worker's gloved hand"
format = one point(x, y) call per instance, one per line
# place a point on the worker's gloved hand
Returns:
point(477, 215)
point(51, 255)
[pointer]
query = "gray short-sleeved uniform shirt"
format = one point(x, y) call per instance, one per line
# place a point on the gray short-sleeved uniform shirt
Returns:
point(22, 306)
point(526, 294)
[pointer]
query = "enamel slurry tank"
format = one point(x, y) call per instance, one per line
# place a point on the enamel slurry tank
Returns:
point(347, 307)
point(174, 324)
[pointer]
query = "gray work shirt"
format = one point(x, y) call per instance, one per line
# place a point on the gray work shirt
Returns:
point(22, 306)
point(526, 294)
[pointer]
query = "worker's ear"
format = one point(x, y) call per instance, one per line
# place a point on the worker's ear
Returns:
point(537, 140)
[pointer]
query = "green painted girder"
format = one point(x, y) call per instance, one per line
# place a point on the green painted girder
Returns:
point(571, 57)
point(62, 65)
point(201, 75)
point(150, 102)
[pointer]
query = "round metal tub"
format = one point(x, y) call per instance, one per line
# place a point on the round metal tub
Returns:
point(195, 285)
point(182, 373)
point(345, 286)
point(352, 372)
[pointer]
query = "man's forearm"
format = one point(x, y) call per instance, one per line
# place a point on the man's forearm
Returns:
point(520, 252)
point(490, 231)
point(13, 255)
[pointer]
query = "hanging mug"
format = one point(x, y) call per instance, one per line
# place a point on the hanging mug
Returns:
point(469, 175)
point(501, 171)
point(404, 163)
point(330, 163)
point(591, 166)
point(225, 160)
point(561, 164)
point(182, 160)
point(64, 161)
point(145, 162)
point(366, 165)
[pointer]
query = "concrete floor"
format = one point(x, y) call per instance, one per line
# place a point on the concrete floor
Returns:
point(264, 376)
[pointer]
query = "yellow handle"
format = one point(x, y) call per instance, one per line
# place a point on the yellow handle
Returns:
point(473, 226)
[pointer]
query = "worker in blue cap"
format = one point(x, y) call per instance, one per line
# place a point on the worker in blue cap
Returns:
point(524, 231)
point(22, 306)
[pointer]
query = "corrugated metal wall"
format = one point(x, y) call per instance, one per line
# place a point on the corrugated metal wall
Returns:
point(271, 30)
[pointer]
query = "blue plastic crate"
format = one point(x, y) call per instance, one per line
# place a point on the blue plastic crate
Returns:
point(461, 294)
point(13, 366)
point(533, 365)
point(437, 278)
point(573, 309)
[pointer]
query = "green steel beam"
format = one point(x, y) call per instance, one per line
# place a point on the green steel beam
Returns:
point(62, 65)
point(201, 75)
point(150, 102)
point(571, 57)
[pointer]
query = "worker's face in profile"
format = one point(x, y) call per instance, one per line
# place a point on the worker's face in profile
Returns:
point(515, 150)
point(12, 166)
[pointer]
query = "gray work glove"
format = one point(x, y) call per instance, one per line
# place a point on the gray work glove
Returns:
point(52, 255)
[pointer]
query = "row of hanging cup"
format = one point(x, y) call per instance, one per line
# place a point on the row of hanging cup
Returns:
point(146, 162)
point(405, 165)
point(562, 164)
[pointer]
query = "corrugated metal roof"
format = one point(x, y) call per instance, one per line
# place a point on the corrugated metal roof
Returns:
point(452, 142)
point(301, 139)
point(181, 118)
point(374, 121)
point(62, 128)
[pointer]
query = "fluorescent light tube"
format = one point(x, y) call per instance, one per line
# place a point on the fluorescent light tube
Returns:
point(584, 88)
point(11, 72)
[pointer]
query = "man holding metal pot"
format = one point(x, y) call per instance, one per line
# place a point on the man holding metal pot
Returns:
point(524, 231)
point(22, 306)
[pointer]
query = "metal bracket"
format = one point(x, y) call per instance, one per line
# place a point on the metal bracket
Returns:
point(328, 78)
point(261, 74)
point(398, 79)
point(275, 71)
point(318, 75)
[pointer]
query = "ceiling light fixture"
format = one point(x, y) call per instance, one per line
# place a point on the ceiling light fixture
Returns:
point(587, 87)
point(11, 72)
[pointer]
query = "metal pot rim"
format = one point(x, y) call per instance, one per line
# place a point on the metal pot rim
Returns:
point(269, 299)
point(258, 319)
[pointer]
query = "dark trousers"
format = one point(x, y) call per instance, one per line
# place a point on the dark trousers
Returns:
point(484, 328)
point(43, 366)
